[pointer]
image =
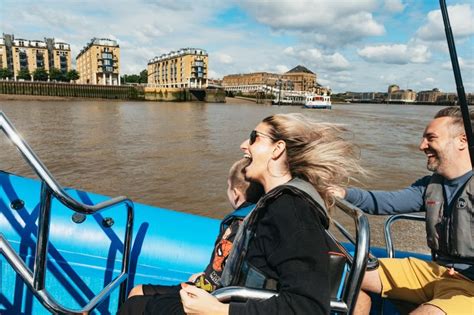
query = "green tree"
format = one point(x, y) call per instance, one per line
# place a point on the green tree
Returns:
point(72, 75)
point(56, 74)
point(40, 74)
point(131, 78)
point(6, 73)
point(144, 76)
point(135, 78)
point(23, 74)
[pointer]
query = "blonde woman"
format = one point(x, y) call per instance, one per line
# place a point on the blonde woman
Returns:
point(282, 244)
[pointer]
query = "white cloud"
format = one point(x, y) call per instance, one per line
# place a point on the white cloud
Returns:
point(223, 58)
point(328, 22)
point(317, 59)
point(395, 6)
point(429, 80)
point(395, 54)
point(463, 64)
point(213, 74)
point(461, 18)
point(281, 68)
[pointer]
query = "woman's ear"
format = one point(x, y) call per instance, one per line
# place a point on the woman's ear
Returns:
point(280, 147)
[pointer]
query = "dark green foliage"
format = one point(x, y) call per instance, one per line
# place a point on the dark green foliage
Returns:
point(40, 74)
point(56, 75)
point(72, 75)
point(6, 73)
point(23, 74)
point(135, 78)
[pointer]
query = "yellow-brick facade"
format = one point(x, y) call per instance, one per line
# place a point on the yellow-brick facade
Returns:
point(3, 54)
point(99, 62)
point(185, 68)
point(297, 79)
point(17, 54)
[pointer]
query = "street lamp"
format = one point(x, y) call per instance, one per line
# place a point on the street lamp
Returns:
point(279, 91)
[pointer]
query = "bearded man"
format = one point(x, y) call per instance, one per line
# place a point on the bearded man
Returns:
point(445, 285)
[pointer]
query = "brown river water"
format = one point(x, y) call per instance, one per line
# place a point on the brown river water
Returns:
point(176, 155)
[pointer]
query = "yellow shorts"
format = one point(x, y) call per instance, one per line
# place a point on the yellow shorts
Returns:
point(425, 282)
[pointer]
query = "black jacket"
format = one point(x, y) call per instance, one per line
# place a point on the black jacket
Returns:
point(290, 246)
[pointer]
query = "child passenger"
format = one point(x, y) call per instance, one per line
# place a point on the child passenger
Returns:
point(160, 299)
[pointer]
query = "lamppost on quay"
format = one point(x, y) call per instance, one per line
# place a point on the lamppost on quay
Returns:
point(279, 91)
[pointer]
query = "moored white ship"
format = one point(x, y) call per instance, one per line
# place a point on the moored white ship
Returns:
point(318, 101)
point(308, 100)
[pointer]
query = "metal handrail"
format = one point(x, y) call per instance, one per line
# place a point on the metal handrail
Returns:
point(50, 187)
point(353, 280)
point(361, 253)
point(388, 230)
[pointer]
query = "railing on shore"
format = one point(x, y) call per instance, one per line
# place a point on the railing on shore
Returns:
point(70, 90)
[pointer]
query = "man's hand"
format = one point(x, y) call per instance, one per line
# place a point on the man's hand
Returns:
point(337, 192)
point(198, 301)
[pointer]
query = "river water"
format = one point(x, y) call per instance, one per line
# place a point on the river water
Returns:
point(176, 155)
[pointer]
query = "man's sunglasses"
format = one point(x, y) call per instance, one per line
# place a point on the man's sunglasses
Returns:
point(254, 134)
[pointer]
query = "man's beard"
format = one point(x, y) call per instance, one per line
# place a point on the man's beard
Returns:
point(434, 162)
point(433, 166)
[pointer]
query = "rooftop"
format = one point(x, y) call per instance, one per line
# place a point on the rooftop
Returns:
point(299, 69)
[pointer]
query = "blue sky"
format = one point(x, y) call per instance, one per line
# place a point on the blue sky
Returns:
point(362, 45)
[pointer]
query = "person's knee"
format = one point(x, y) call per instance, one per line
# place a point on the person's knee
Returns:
point(427, 309)
point(137, 290)
point(371, 282)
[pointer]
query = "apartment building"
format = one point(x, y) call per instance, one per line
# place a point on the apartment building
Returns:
point(3, 54)
point(18, 54)
point(252, 79)
point(59, 54)
point(99, 62)
point(297, 79)
point(302, 78)
point(430, 96)
point(185, 68)
point(403, 96)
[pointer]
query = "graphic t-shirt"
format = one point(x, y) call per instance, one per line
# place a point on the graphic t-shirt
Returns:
point(210, 279)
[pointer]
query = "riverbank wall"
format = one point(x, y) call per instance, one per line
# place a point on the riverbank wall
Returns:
point(184, 95)
point(70, 90)
point(124, 92)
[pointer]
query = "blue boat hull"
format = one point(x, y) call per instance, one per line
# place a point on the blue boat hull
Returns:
point(168, 247)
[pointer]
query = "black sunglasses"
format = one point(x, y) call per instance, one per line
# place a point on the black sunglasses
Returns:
point(254, 134)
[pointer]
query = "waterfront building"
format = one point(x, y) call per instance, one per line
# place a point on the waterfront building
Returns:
point(302, 79)
point(430, 96)
point(470, 98)
point(447, 98)
point(99, 62)
point(401, 96)
point(184, 68)
point(298, 79)
point(19, 54)
point(393, 88)
point(3, 54)
point(254, 82)
point(59, 55)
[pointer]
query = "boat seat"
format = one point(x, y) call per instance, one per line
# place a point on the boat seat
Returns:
point(346, 269)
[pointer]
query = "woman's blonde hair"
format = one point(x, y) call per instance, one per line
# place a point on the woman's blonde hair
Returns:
point(317, 152)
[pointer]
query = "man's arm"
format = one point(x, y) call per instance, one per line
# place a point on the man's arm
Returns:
point(405, 200)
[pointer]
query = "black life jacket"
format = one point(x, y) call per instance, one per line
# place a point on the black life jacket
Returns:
point(237, 271)
point(450, 235)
